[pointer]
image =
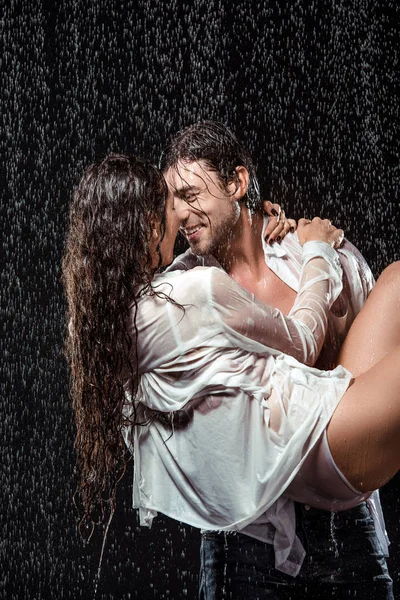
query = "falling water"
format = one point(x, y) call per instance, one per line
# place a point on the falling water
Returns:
point(309, 86)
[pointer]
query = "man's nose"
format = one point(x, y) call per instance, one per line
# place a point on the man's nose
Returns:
point(182, 209)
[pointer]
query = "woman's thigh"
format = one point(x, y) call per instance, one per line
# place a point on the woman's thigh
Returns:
point(364, 431)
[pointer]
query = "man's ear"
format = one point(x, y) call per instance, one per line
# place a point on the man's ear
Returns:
point(241, 184)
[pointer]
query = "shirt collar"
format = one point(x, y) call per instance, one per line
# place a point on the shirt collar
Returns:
point(274, 250)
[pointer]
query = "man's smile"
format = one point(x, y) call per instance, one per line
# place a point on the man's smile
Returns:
point(190, 232)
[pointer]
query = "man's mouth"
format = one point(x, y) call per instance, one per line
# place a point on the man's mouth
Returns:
point(191, 232)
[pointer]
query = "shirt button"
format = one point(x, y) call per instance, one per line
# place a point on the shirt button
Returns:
point(307, 507)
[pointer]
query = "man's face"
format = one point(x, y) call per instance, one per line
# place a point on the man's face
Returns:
point(207, 212)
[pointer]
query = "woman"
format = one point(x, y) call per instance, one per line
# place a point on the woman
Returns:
point(218, 419)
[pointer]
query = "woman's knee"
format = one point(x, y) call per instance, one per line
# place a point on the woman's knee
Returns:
point(391, 275)
point(387, 289)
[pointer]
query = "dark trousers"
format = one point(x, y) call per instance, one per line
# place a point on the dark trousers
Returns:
point(344, 560)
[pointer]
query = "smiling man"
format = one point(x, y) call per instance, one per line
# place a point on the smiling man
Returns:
point(209, 231)
point(304, 552)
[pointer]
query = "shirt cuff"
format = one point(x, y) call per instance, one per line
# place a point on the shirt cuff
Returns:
point(315, 249)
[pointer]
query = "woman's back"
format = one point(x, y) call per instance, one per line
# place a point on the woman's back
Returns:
point(199, 359)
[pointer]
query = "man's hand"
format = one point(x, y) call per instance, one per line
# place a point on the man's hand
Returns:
point(278, 225)
point(320, 230)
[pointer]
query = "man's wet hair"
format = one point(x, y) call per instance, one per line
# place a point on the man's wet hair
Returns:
point(214, 144)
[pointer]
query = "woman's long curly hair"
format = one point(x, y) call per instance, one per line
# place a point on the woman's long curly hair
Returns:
point(107, 263)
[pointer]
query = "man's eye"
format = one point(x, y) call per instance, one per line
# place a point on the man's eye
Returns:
point(190, 198)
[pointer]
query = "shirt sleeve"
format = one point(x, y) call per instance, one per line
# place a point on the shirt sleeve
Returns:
point(301, 334)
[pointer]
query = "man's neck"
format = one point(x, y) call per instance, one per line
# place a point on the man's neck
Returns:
point(245, 250)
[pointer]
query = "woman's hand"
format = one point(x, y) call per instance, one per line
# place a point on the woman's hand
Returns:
point(278, 225)
point(320, 230)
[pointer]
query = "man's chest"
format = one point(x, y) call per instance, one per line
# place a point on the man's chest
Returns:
point(267, 288)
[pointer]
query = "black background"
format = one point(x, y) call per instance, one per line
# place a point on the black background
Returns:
point(309, 86)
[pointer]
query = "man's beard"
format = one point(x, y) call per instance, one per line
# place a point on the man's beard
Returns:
point(221, 236)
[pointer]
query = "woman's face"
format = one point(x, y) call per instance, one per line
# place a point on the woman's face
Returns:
point(171, 231)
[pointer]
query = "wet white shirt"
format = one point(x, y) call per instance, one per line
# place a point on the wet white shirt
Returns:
point(277, 525)
point(285, 260)
point(220, 359)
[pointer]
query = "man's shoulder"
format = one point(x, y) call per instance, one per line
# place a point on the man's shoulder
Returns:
point(357, 276)
point(349, 248)
point(353, 262)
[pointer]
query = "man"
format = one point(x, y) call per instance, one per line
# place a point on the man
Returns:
point(216, 198)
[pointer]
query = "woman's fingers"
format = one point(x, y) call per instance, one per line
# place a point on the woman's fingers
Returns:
point(319, 230)
point(278, 226)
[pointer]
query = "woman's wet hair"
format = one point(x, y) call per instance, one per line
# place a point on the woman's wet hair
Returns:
point(107, 264)
point(219, 149)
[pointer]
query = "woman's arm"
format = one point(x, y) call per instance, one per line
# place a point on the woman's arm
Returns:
point(254, 325)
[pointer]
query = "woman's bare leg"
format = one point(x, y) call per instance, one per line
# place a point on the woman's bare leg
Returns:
point(376, 330)
point(364, 432)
